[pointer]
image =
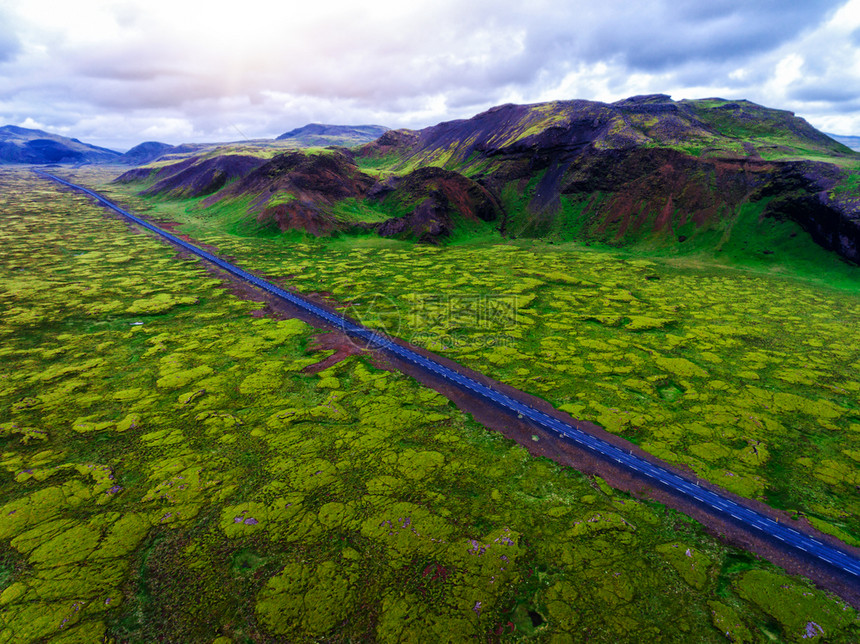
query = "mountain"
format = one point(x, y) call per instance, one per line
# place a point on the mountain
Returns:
point(852, 142)
point(23, 145)
point(145, 153)
point(151, 151)
point(312, 135)
point(711, 174)
point(647, 170)
point(562, 129)
point(317, 134)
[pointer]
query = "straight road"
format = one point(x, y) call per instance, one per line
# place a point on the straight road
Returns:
point(804, 545)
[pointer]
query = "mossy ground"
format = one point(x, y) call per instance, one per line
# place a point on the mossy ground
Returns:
point(749, 375)
point(169, 471)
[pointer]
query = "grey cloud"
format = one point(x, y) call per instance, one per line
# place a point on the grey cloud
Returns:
point(379, 63)
point(10, 45)
point(837, 92)
point(162, 94)
point(135, 71)
point(700, 73)
point(468, 100)
point(126, 14)
point(133, 61)
point(659, 35)
point(700, 41)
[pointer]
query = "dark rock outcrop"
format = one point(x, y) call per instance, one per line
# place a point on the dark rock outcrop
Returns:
point(436, 199)
point(429, 222)
point(193, 177)
point(803, 192)
point(328, 177)
point(298, 191)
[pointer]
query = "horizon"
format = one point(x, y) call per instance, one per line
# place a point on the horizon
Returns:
point(275, 136)
point(117, 74)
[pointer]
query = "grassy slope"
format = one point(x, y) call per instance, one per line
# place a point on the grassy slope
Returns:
point(183, 478)
point(744, 240)
point(775, 134)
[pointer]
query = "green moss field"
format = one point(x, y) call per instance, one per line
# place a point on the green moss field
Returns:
point(168, 471)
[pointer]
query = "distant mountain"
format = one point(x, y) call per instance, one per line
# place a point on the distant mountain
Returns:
point(852, 142)
point(313, 135)
point(23, 145)
point(146, 152)
point(319, 135)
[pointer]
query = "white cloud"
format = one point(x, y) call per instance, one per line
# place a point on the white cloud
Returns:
point(788, 70)
point(30, 123)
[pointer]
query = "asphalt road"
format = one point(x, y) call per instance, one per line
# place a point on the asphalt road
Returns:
point(805, 545)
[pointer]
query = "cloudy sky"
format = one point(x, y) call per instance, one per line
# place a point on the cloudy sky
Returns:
point(116, 73)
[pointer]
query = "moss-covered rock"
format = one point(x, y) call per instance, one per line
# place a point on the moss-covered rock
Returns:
point(691, 564)
point(802, 611)
point(306, 600)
